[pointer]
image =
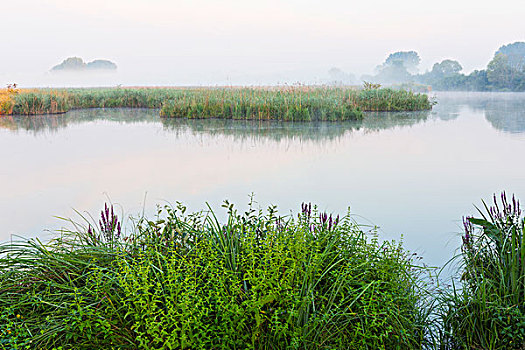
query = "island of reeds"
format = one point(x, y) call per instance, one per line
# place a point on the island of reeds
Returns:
point(259, 280)
point(297, 103)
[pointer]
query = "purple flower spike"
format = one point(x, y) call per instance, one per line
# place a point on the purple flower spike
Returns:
point(306, 209)
point(109, 224)
point(468, 230)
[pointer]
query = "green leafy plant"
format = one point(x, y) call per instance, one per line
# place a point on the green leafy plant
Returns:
point(188, 281)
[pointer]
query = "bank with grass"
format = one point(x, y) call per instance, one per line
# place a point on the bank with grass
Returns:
point(258, 280)
point(301, 103)
point(254, 281)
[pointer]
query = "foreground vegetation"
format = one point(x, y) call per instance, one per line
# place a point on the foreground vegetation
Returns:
point(488, 311)
point(290, 103)
point(256, 281)
point(259, 281)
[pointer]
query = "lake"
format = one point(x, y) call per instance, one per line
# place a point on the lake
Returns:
point(415, 175)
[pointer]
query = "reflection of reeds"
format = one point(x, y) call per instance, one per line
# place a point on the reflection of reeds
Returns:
point(238, 129)
point(283, 103)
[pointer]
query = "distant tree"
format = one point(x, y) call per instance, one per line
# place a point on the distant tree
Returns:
point(71, 63)
point(77, 64)
point(500, 74)
point(515, 54)
point(101, 64)
point(394, 72)
point(409, 59)
point(446, 68)
point(477, 81)
point(506, 71)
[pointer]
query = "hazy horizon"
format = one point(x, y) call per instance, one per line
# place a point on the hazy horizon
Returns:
point(160, 42)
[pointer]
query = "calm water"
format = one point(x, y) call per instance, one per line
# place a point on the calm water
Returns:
point(413, 174)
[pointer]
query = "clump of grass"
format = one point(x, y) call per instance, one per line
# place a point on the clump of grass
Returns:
point(386, 100)
point(187, 281)
point(31, 102)
point(488, 311)
point(370, 86)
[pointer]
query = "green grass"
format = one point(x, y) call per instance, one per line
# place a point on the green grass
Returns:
point(290, 103)
point(188, 281)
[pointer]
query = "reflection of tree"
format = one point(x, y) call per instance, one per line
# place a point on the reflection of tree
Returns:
point(505, 111)
point(506, 115)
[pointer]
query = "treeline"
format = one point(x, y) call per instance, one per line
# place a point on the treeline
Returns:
point(505, 72)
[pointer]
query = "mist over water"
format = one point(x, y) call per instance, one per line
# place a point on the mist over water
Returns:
point(234, 42)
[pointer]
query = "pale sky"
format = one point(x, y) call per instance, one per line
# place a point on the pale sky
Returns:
point(200, 42)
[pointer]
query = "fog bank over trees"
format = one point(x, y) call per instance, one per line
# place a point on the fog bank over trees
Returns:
point(77, 64)
point(505, 72)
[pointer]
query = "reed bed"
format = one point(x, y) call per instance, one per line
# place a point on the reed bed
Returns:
point(389, 100)
point(121, 97)
point(188, 281)
point(287, 104)
point(35, 102)
point(284, 103)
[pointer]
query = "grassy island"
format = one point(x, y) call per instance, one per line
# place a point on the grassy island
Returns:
point(279, 103)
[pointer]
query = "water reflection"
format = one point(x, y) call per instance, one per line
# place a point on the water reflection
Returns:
point(415, 174)
point(506, 115)
point(55, 122)
point(275, 130)
point(504, 111)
